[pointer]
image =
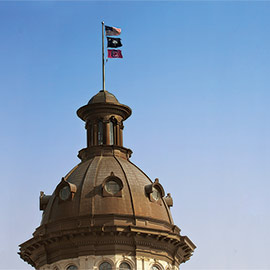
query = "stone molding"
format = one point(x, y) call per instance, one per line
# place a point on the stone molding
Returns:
point(93, 262)
point(47, 248)
point(94, 111)
point(104, 150)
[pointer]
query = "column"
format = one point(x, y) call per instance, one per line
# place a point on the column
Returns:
point(95, 134)
point(117, 134)
point(121, 133)
point(107, 131)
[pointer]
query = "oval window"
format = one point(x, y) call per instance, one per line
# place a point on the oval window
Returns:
point(72, 267)
point(124, 266)
point(64, 195)
point(155, 267)
point(105, 266)
point(112, 187)
point(156, 196)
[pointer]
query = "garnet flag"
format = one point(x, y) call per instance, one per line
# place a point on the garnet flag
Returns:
point(112, 31)
point(114, 42)
point(114, 54)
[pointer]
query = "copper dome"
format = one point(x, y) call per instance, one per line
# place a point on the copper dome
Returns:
point(131, 208)
point(106, 205)
point(103, 96)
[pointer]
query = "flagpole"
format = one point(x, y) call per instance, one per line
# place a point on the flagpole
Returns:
point(103, 62)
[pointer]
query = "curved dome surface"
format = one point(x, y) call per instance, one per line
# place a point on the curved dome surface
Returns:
point(105, 205)
point(103, 96)
point(133, 207)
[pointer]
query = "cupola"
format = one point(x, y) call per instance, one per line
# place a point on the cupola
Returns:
point(104, 116)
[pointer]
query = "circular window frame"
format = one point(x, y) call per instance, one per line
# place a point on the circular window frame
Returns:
point(72, 188)
point(127, 262)
point(152, 198)
point(66, 187)
point(149, 191)
point(71, 264)
point(158, 266)
point(116, 179)
point(110, 185)
point(105, 261)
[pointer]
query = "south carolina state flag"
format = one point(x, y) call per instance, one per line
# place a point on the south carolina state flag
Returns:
point(114, 54)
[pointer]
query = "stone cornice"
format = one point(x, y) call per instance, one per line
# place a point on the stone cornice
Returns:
point(104, 150)
point(50, 247)
point(91, 111)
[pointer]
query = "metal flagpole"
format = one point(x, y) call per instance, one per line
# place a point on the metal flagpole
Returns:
point(103, 62)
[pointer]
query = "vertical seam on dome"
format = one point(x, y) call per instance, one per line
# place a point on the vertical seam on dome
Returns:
point(71, 171)
point(82, 184)
point(129, 189)
point(50, 205)
point(95, 181)
point(164, 203)
point(49, 210)
point(141, 171)
point(168, 211)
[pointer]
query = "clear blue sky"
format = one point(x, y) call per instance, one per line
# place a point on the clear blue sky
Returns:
point(196, 75)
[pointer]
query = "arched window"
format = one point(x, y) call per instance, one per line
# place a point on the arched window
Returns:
point(124, 266)
point(155, 267)
point(100, 133)
point(105, 266)
point(111, 132)
point(72, 267)
point(91, 139)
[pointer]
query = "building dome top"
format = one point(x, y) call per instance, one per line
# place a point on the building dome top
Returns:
point(108, 190)
point(106, 165)
point(103, 96)
point(106, 204)
point(103, 104)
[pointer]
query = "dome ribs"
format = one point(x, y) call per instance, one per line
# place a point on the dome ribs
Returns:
point(135, 175)
point(95, 185)
point(82, 184)
point(57, 211)
point(115, 207)
point(106, 205)
point(164, 203)
point(131, 198)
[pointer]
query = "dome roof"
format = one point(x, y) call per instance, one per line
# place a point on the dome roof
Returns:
point(106, 204)
point(103, 96)
point(132, 207)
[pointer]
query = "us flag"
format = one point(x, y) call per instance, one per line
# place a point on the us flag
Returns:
point(112, 31)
